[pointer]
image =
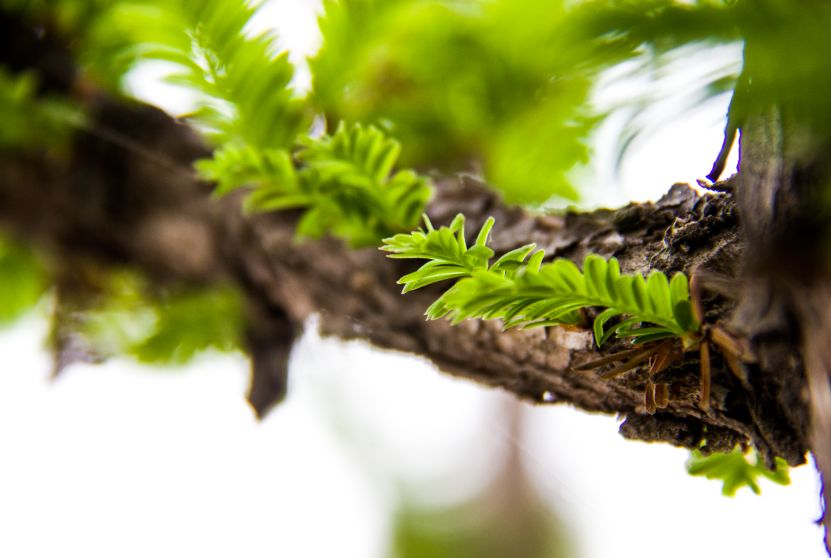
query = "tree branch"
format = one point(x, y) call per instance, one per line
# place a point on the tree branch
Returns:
point(126, 195)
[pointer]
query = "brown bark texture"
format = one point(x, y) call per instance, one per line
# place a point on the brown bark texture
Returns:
point(126, 194)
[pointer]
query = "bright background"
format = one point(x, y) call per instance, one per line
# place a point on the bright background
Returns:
point(123, 460)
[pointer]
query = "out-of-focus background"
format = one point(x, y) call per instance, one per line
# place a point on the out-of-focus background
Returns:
point(373, 454)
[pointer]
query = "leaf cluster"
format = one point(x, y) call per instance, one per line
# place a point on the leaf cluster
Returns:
point(507, 84)
point(460, 82)
point(522, 291)
point(737, 469)
point(241, 81)
point(344, 182)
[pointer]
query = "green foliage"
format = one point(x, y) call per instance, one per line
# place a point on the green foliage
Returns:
point(29, 121)
point(521, 290)
point(22, 280)
point(476, 528)
point(737, 469)
point(168, 327)
point(503, 86)
point(264, 170)
point(242, 83)
point(189, 322)
point(460, 82)
point(344, 182)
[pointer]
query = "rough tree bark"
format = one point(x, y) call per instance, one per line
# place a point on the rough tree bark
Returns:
point(126, 195)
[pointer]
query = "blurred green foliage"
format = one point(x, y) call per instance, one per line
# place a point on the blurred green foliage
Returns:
point(461, 84)
point(786, 59)
point(168, 326)
point(29, 121)
point(500, 86)
point(247, 107)
point(22, 279)
point(242, 80)
point(190, 321)
point(737, 469)
point(474, 530)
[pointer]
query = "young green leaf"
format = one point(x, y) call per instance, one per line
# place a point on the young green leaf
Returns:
point(525, 292)
point(342, 181)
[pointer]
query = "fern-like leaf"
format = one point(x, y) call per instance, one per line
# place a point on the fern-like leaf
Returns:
point(524, 292)
point(242, 82)
point(344, 182)
point(352, 170)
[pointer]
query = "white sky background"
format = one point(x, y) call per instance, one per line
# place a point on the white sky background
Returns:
point(122, 460)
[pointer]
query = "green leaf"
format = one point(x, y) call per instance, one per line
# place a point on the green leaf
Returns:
point(236, 74)
point(612, 278)
point(736, 470)
point(247, 106)
point(684, 317)
point(681, 305)
point(22, 280)
point(648, 334)
point(535, 261)
point(600, 322)
point(352, 170)
point(448, 254)
point(170, 326)
point(30, 119)
point(484, 232)
point(659, 295)
point(566, 274)
point(679, 290)
point(595, 270)
point(511, 261)
point(189, 322)
point(640, 295)
point(525, 292)
point(343, 181)
point(434, 274)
